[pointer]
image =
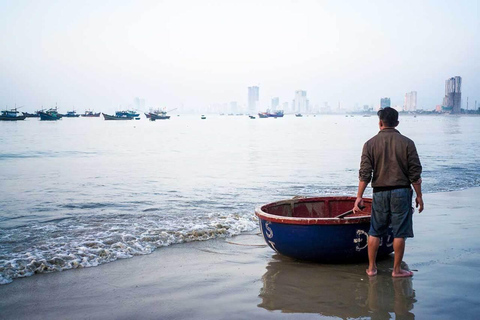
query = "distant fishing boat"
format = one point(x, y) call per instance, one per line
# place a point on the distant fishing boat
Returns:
point(115, 117)
point(203, 117)
point(11, 115)
point(154, 116)
point(276, 114)
point(268, 114)
point(90, 114)
point(251, 117)
point(298, 115)
point(127, 113)
point(50, 115)
point(32, 115)
point(71, 114)
point(158, 115)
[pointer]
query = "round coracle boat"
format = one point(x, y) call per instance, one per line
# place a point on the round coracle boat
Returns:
point(322, 229)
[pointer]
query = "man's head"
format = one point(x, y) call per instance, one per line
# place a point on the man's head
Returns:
point(388, 117)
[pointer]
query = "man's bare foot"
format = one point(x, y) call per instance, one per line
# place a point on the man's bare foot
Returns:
point(402, 274)
point(372, 272)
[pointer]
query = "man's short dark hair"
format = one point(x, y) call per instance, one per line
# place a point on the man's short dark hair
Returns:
point(389, 116)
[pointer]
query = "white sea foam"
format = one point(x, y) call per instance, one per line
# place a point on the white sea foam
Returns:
point(83, 247)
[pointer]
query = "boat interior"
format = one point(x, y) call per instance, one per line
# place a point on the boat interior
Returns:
point(323, 207)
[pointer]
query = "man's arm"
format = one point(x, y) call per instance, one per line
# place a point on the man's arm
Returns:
point(417, 186)
point(364, 177)
point(414, 165)
point(414, 174)
point(362, 185)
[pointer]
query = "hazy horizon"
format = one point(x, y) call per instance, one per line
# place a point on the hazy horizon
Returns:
point(103, 54)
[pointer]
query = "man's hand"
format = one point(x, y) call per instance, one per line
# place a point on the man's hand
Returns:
point(359, 203)
point(418, 203)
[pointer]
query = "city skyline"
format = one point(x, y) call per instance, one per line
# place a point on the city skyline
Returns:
point(452, 103)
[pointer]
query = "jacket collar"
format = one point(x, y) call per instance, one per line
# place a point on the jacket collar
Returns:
point(385, 130)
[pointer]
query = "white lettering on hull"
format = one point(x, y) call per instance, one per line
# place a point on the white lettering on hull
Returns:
point(361, 236)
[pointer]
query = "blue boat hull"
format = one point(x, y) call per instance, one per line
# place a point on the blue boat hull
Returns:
point(49, 117)
point(323, 243)
point(323, 229)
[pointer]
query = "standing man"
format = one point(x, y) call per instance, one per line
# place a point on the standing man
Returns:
point(391, 162)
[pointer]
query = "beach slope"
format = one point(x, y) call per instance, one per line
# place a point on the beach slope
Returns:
point(241, 278)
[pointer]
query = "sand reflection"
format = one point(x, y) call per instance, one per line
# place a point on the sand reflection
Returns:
point(342, 291)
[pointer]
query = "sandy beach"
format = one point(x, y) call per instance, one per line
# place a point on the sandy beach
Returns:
point(241, 278)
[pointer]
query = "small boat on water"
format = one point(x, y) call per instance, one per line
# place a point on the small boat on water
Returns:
point(251, 117)
point(322, 229)
point(71, 114)
point(268, 114)
point(90, 114)
point(298, 115)
point(127, 113)
point(157, 115)
point(276, 114)
point(11, 115)
point(203, 117)
point(50, 115)
point(115, 117)
point(32, 115)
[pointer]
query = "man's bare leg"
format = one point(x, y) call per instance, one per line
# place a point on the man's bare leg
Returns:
point(399, 249)
point(373, 244)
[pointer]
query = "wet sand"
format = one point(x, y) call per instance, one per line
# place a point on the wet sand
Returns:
point(241, 278)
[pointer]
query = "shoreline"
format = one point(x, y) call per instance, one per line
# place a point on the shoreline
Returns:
point(240, 278)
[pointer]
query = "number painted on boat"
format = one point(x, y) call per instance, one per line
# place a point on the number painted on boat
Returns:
point(268, 231)
point(361, 237)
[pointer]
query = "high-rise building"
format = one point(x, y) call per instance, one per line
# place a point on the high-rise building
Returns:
point(452, 101)
point(300, 103)
point(410, 102)
point(253, 97)
point(275, 103)
point(139, 103)
point(384, 103)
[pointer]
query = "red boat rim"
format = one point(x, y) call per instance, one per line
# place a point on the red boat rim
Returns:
point(361, 217)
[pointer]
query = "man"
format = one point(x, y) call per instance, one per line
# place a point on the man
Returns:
point(391, 162)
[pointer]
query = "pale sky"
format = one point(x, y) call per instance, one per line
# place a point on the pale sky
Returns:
point(102, 54)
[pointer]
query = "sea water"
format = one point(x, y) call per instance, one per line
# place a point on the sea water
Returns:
point(82, 192)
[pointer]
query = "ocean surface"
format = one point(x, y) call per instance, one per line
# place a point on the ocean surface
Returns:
point(82, 192)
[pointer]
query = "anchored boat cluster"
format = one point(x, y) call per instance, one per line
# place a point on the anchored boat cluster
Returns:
point(52, 114)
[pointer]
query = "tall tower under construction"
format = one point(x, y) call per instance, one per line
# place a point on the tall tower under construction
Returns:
point(453, 95)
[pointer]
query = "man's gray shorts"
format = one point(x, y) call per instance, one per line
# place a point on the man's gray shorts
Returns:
point(392, 207)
